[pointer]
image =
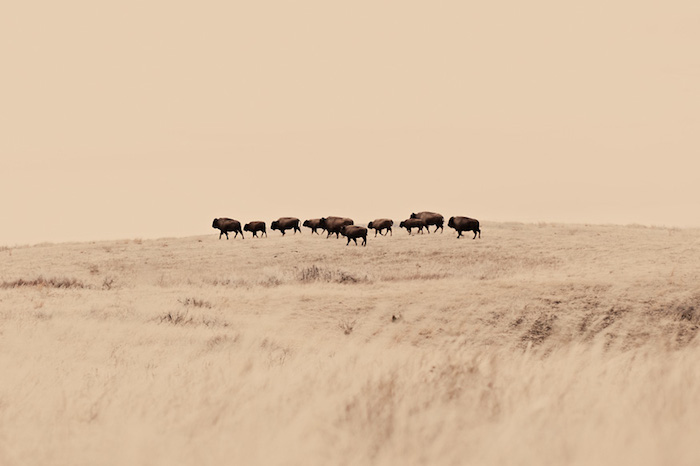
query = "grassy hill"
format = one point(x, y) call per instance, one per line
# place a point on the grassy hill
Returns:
point(536, 344)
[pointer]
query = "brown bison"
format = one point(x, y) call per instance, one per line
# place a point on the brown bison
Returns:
point(464, 224)
point(286, 223)
point(352, 232)
point(431, 218)
point(255, 227)
point(410, 223)
point(227, 224)
point(381, 224)
point(333, 224)
point(314, 224)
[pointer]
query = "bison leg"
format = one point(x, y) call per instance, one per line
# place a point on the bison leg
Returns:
point(391, 231)
point(242, 237)
point(355, 240)
point(364, 241)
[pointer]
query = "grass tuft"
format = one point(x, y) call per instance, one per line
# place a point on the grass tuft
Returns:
point(194, 302)
point(42, 282)
point(184, 318)
point(314, 274)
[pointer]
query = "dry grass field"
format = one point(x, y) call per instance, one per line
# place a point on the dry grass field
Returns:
point(536, 344)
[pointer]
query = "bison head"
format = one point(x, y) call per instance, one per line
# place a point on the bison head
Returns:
point(413, 215)
point(369, 225)
point(306, 223)
point(402, 224)
point(247, 227)
point(451, 222)
point(215, 223)
point(274, 225)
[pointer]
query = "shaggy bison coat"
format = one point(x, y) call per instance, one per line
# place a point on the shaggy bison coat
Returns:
point(286, 223)
point(227, 224)
point(431, 218)
point(461, 224)
point(314, 224)
point(255, 227)
point(333, 224)
point(381, 224)
point(352, 232)
point(410, 223)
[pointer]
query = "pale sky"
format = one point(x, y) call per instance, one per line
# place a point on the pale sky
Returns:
point(137, 119)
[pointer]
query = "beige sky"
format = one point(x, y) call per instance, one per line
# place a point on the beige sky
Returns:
point(150, 118)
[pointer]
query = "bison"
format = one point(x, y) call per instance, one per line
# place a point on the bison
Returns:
point(227, 224)
point(410, 223)
point(333, 225)
point(431, 218)
point(352, 232)
point(381, 224)
point(286, 223)
point(314, 224)
point(461, 224)
point(255, 227)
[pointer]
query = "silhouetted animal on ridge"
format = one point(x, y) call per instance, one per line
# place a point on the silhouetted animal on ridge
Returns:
point(431, 218)
point(286, 223)
point(381, 224)
point(410, 223)
point(255, 227)
point(314, 224)
point(333, 224)
point(461, 224)
point(352, 232)
point(227, 224)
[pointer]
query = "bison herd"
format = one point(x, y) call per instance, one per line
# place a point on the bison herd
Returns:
point(346, 227)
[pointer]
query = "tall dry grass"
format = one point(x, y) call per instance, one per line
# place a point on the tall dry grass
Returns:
point(538, 344)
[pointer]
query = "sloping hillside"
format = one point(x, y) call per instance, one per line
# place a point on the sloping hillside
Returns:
point(536, 344)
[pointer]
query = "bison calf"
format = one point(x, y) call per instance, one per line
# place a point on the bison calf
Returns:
point(255, 227)
point(227, 224)
point(410, 223)
point(314, 224)
point(352, 232)
point(381, 224)
point(286, 223)
point(461, 224)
